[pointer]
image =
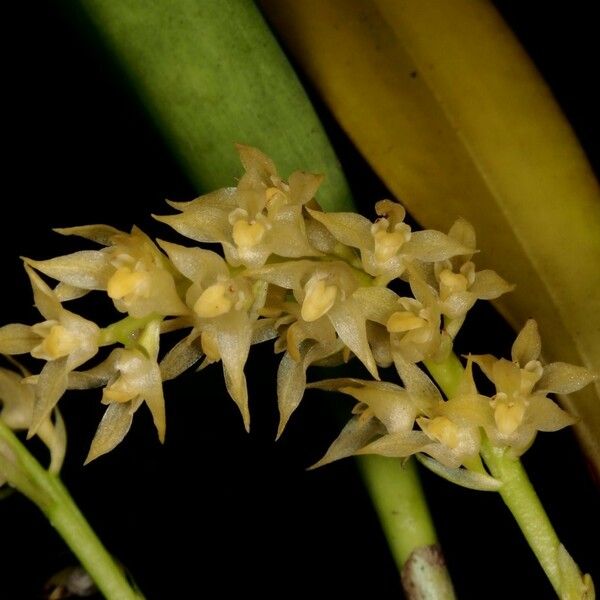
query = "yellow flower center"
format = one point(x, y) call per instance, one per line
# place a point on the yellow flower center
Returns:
point(444, 430)
point(387, 243)
point(405, 320)
point(127, 284)
point(451, 283)
point(319, 298)
point(508, 414)
point(119, 391)
point(247, 234)
point(213, 302)
point(58, 342)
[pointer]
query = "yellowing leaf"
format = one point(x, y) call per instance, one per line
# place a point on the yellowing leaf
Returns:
point(450, 112)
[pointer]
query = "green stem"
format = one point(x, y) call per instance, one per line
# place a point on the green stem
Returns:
point(523, 502)
point(402, 509)
point(46, 490)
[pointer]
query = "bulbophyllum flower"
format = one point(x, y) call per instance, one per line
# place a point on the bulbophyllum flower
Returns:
point(458, 282)
point(64, 340)
point(415, 325)
point(224, 310)
point(131, 269)
point(130, 377)
point(260, 217)
point(17, 400)
point(388, 245)
point(325, 293)
point(521, 407)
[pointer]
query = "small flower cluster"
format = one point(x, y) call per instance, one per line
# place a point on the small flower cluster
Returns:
point(319, 285)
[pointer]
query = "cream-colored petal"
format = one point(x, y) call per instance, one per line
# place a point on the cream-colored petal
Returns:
point(54, 436)
point(254, 160)
point(528, 344)
point(350, 229)
point(51, 385)
point(65, 292)
point(233, 335)
point(423, 391)
point(202, 223)
point(563, 378)
point(464, 233)
point(458, 304)
point(197, 264)
point(488, 285)
point(16, 400)
point(186, 353)
point(303, 186)
point(398, 445)
point(486, 363)
point(16, 338)
point(43, 297)
point(101, 234)
point(545, 415)
point(154, 398)
point(289, 241)
point(113, 428)
point(87, 269)
point(376, 303)
point(462, 477)
point(355, 435)
point(349, 322)
point(291, 378)
point(430, 245)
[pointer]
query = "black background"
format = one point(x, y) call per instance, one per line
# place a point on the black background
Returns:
point(217, 512)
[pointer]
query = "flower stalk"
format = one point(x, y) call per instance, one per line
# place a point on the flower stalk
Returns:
point(47, 491)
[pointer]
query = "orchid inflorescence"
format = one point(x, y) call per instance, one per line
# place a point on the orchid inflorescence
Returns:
point(318, 284)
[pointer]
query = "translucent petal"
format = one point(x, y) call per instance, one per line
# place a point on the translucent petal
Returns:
point(546, 415)
point(97, 376)
point(221, 199)
point(563, 378)
point(288, 240)
point(351, 229)
point(65, 292)
point(254, 160)
point(527, 345)
point(186, 353)
point(196, 264)
point(113, 428)
point(43, 297)
point(233, 336)
point(462, 477)
point(376, 303)
point(349, 322)
point(398, 445)
point(430, 245)
point(458, 304)
point(303, 186)
point(355, 435)
point(291, 379)
point(16, 400)
point(54, 435)
point(101, 234)
point(17, 338)
point(51, 385)
point(486, 363)
point(290, 275)
point(202, 223)
point(464, 233)
point(423, 391)
point(87, 269)
point(488, 285)
point(154, 398)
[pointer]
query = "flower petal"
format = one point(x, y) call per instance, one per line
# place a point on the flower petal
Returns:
point(462, 477)
point(351, 229)
point(355, 435)
point(430, 245)
point(113, 427)
point(196, 264)
point(87, 269)
point(563, 378)
point(101, 234)
point(16, 338)
point(488, 285)
point(528, 344)
point(181, 357)
point(51, 385)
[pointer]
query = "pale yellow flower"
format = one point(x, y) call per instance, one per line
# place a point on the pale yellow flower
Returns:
point(260, 217)
point(521, 406)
